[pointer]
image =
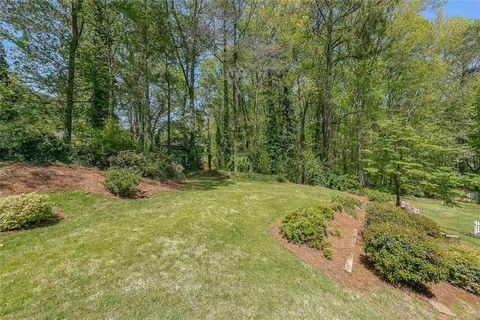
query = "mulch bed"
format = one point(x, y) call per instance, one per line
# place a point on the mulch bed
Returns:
point(18, 178)
point(363, 277)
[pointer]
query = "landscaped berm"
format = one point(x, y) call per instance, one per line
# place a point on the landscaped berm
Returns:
point(216, 247)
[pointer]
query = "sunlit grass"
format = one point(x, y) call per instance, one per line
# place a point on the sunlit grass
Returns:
point(457, 220)
point(199, 253)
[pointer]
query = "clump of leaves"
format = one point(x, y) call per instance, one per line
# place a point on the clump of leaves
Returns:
point(401, 255)
point(385, 212)
point(376, 195)
point(122, 182)
point(348, 203)
point(22, 210)
point(307, 226)
point(463, 267)
point(328, 250)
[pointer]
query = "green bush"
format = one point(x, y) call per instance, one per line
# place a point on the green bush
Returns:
point(307, 226)
point(165, 169)
point(335, 206)
point(130, 160)
point(21, 210)
point(341, 182)
point(385, 212)
point(401, 255)
point(376, 196)
point(92, 147)
point(348, 203)
point(122, 182)
point(463, 267)
point(328, 250)
point(27, 143)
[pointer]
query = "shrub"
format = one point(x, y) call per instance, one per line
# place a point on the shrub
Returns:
point(463, 267)
point(376, 196)
point(27, 143)
point(348, 203)
point(341, 182)
point(335, 206)
point(306, 226)
point(384, 212)
point(130, 160)
point(401, 255)
point(328, 250)
point(166, 170)
point(21, 210)
point(94, 147)
point(122, 182)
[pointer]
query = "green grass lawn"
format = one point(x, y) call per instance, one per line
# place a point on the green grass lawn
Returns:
point(456, 220)
point(203, 252)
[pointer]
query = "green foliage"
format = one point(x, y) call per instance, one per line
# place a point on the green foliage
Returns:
point(95, 147)
point(311, 171)
point(402, 256)
point(375, 195)
point(335, 206)
point(463, 267)
point(129, 160)
point(28, 143)
point(328, 250)
point(307, 226)
point(122, 182)
point(348, 203)
point(166, 169)
point(378, 213)
point(22, 210)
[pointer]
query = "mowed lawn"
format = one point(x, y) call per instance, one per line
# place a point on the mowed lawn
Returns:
point(203, 252)
point(457, 220)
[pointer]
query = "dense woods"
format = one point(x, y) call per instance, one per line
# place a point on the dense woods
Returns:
point(340, 93)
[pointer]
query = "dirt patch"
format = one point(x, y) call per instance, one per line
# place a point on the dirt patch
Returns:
point(21, 177)
point(363, 277)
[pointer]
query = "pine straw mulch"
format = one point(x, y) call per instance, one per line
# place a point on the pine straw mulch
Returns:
point(18, 178)
point(363, 277)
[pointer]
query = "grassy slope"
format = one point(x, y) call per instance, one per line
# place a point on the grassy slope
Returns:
point(454, 220)
point(199, 253)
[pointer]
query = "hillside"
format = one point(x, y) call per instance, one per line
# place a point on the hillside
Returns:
point(203, 251)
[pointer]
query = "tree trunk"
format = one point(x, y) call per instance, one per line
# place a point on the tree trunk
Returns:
point(169, 104)
point(226, 121)
point(327, 112)
point(398, 189)
point(74, 40)
point(235, 96)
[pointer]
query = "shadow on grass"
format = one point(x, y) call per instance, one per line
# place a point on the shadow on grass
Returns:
point(202, 183)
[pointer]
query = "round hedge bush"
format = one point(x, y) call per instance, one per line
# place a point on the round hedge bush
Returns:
point(307, 226)
point(463, 267)
point(129, 160)
point(385, 212)
point(22, 210)
point(122, 182)
point(401, 255)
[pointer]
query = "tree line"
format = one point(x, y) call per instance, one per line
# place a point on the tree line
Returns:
point(341, 93)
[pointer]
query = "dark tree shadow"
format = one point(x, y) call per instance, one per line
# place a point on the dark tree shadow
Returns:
point(204, 182)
